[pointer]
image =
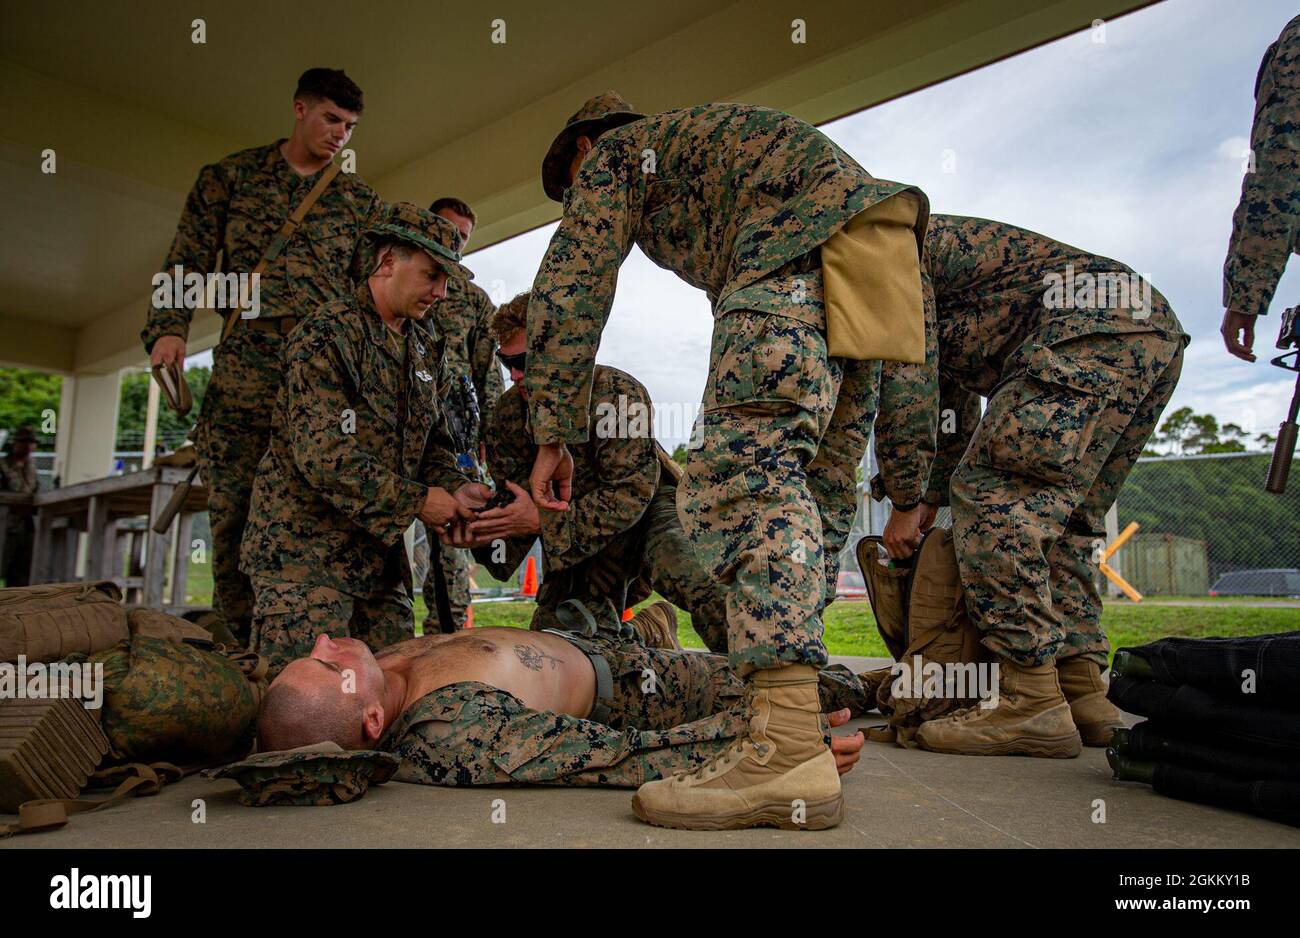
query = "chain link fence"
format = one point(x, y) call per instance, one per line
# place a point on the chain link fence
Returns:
point(1208, 527)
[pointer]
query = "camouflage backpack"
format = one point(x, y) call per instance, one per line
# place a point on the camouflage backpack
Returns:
point(176, 701)
point(921, 615)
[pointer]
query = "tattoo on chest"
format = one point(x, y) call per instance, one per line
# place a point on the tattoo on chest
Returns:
point(532, 657)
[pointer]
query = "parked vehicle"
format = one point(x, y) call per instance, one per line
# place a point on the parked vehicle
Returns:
point(1278, 581)
point(850, 585)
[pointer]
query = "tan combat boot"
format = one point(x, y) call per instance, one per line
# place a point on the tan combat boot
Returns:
point(1085, 690)
point(781, 773)
point(1031, 719)
point(657, 626)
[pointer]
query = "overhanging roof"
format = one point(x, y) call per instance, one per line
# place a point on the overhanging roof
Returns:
point(132, 108)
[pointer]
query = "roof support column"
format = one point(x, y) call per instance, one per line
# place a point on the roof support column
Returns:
point(87, 426)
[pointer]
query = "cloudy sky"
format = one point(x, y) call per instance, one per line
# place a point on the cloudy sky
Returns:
point(1131, 147)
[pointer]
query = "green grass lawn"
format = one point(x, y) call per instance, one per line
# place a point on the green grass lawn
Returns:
point(1238, 600)
point(851, 628)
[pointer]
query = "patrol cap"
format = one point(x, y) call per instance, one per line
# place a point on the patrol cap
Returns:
point(431, 233)
point(601, 113)
point(319, 774)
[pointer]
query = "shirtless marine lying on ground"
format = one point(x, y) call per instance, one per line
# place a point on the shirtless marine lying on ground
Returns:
point(499, 705)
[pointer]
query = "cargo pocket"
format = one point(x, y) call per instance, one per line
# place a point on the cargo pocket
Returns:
point(766, 360)
point(1041, 422)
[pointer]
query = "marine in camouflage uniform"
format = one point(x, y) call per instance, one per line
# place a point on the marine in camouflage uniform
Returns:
point(621, 537)
point(18, 475)
point(737, 200)
point(358, 439)
point(462, 320)
point(1074, 394)
point(1077, 357)
point(1266, 225)
point(235, 209)
point(669, 711)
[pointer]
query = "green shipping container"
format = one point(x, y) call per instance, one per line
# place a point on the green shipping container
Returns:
point(1165, 565)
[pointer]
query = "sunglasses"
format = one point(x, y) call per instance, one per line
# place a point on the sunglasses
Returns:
point(513, 362)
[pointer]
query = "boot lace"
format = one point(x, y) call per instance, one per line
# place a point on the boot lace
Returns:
point(728, 756)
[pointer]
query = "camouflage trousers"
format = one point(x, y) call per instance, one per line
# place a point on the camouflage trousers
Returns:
point(456, 566)
point(668, 712)
point(655, 556)
point(234, 430)
point(660, 688)
point(1029, 498)
point(769, 491)
point(287, 618)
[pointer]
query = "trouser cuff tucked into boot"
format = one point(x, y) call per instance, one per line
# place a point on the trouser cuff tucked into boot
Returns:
point(1031, 718)
point(1085, 690)
point(781, 773)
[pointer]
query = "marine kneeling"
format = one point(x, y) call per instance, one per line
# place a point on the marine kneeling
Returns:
point(621, 537)
point(357, 453)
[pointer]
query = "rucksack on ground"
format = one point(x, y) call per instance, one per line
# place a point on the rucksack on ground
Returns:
point(51, 621)
point(921, 615)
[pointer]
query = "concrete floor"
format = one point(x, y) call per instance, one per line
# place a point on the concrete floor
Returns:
point(895, 798)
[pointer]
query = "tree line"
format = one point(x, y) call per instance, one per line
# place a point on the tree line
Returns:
point(26, 397)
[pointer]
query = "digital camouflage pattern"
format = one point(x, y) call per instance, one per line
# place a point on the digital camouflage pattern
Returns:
point(288, 616)
point(234, 211)
point(723, 195)
point(670, 712)
point(232, 433)
point(238, 204)
point(171, 701)
point(1073, 396)
point(621, 537)
point(462, 321)
point(769, 496)
point(318, 775)
point(358, 438)
point(735, 199)
point(1266, 225)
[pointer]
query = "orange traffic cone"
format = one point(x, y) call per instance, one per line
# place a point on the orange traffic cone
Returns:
point(530, 577)
point(469, 618)
point(627, 614)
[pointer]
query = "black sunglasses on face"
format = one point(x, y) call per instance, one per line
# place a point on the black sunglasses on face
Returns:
point(513, 362)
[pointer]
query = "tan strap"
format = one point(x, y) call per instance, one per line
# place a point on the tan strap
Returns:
point(285, 234)
point(252, 665)
point(668, 465)
point(50, 813)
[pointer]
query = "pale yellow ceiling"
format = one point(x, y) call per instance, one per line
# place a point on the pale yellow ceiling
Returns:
point(428, 69)
point(133, 108)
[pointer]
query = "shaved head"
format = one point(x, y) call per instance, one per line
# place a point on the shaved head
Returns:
point(300, 713)
point(336, 694)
